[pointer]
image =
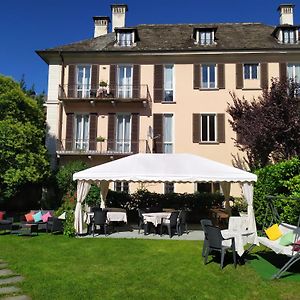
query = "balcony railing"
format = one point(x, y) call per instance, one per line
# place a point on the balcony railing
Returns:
point(106, 147)
point(120, 93)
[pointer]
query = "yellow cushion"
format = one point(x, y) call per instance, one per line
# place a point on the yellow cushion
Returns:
point(273, 233)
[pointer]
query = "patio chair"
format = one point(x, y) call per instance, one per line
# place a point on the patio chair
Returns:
point(6, 224)
point(55, 225)
point(181, 223)
point(216, 242)
point(100, 219)
point(141, 224)
point(205, 222)
point(170, 223)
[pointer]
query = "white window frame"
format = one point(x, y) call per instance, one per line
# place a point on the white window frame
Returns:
point(208, 128)
point(251, 65)
point(125, 42)
point(293, 66)
point(215, 84)
point(124, 91)
point(289, 36)
point(173, 84)
point(81, 143)
point(205, 41)
point(168, 142)
point(121, 185)
point(83, 92)
point(122, 143)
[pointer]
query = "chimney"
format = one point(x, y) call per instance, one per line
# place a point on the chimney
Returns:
point(101, 25)
point(286, 14)
point(118, 15)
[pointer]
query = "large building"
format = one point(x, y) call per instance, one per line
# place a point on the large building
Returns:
point(160, 88)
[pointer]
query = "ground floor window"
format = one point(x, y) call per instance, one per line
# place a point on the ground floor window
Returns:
point(122, 186)
point(208, 187)
point(169, 187)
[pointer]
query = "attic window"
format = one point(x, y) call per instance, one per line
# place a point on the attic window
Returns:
point(125, 38)
point(289, 36)
point(205, 36)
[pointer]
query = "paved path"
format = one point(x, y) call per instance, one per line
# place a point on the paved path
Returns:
point(8, 279)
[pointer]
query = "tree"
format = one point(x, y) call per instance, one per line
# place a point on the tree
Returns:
point(23, 156)
point(267, 128)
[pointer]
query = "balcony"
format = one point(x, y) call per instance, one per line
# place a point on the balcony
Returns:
point(109, 93)
point(106, 147)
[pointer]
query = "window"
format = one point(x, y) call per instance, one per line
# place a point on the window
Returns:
point(208, 187)
point(81, 132)
point(125, 82)
point(123, 134)
point(168, 133)
point(293, 72)
point(208, 76)
point(205, 37)
point(122, 186)
point(250, 71)
point(83, 80)
point(288, 36)
point(169, 187)
point(168, 83)
point(208, 128)
point(125, 39)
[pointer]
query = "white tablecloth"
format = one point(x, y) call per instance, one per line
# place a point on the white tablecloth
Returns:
point(155, 217)
point(112, 216)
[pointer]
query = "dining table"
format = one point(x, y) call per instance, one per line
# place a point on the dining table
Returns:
point(112, 216)
point(155, 217)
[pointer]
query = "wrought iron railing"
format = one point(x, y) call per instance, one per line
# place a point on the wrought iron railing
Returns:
point(106, 147)
point(109, 92)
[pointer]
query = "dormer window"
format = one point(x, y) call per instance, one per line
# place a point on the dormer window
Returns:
point(205, 36)
point(288, 36)
point(125, 37)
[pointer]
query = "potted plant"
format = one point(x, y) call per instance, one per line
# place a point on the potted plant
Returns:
point(241, 206)
point(103, 83)
point(100, 139)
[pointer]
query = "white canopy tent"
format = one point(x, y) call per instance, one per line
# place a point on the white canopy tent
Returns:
point(181, 168)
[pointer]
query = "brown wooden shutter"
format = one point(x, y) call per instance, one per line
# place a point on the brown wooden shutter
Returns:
point(69, 131)
point(111, 132)
point(196, 128)
point(136, 81)
point(135, 126)
point(158, 83)
point(157, 133)
point(221, 128)
point(112, 80)
point(93, 131)
point(221, 76)
point(72, 82)
point(94, 80)
point(239, 76)
point(264, 77)
point(196, 76)
point(282, 71)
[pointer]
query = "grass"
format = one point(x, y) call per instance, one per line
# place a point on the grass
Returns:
point(57, 267)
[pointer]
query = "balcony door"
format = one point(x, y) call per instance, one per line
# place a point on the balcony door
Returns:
point(82, 132)
point(125, 81)
point(123, 134)
point(83, 81)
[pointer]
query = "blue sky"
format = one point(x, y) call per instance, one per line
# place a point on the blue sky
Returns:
point(31, 25)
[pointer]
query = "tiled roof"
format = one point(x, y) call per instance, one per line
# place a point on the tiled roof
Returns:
point(179, 37)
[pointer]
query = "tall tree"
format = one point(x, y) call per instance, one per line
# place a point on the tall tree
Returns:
point(268, 128)
point(23, 156)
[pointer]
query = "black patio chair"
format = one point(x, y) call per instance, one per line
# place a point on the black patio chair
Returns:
point(181, 223)
point(6, 224)
point(100, 219)
point(205, 222)
point(170, 223)
point(141, 224)
point(55, 225)
point(216, 243)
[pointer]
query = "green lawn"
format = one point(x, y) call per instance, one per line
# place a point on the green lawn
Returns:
point(57, 267)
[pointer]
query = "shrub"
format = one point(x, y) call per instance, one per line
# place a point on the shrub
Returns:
point(282, 180)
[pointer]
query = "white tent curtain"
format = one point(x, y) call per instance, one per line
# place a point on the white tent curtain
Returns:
point(248, 194)
point(226, 191)
point(83, 188)
point(103, 192)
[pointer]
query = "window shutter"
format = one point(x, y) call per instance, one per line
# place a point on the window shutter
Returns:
point(196, 128)
point(93, 131)
point(69, 131)
point(282, 71)
point(158, 83)
point(135, 126)
point(136, 81)
point(112, 80)
point(221, 127)
point(196, 76)
point(94, 80)
point(111, 132)
point(264, 77)
point(239, 76)
point(157, 133)
point(221, 76)
point(72, 81)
